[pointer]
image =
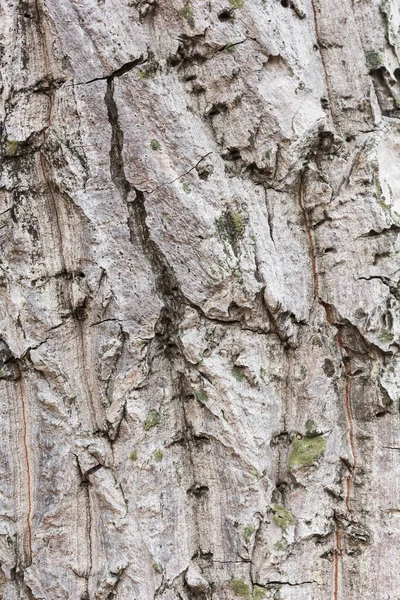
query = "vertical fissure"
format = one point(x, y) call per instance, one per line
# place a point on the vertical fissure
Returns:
point(55, 209)
point(346, 380)
point(336, 556)
point(117, 168)
point(28, 468)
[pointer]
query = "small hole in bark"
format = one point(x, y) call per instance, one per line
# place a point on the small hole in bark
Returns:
point(381, 413)
point(324, 103)
point(207, 352)
point(350, 138)
point(327, 250)
point(198, 490)
point(225, 15)
point(357, 372)
point(217, 109)
point(285, 3)
point(315, 47)
point(299, 436)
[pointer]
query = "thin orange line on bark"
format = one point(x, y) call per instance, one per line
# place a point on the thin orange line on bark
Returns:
point(28, 469)
point(347, 406)
point(351, 432)
point(336, 553)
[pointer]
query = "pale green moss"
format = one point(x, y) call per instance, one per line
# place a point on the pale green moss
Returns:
point(153, 419)
point(259, 592)
point(238, 222)
point(231, 226)
point(311, 428)
point(237, 373)
point(158, 568)
point(155, 145)
point(281, 545)
point(12, 147)
point(306, 450)
point(133, 455)
point(187, 13)
point(201, 396)
point(240, 588)
point(373, 59)
point(236, 3)
point(248, 532)
point(282, 516)
point(186, 188)
point(158, 455)
point(383, 205)
point(386, 336)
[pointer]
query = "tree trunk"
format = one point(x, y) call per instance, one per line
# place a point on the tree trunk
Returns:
point(200, 302)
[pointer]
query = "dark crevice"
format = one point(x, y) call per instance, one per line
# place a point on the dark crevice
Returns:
point(118, 72)
point(117, 143)
point(393, 228)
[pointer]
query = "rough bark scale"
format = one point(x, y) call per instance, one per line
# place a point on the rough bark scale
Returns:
point(199, 300)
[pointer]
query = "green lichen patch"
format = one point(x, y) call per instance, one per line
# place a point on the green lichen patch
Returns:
point(306, 450)
point(259, 592)
point(283, 517)
point(281, 545)
point(133, 455)
point(153, 419)
point(230, 226)
point(386, 336)
point(201, 396)
point(373, 59)
point(187, 13)
point(383, 205)
point(248, 532)
point(158, 455)
point(186, 188)
point(311, 428)
point(12, 147)
point(236, 3)
point(155, 145)
point(240, 588)
point(238, 374)
point(158, 567)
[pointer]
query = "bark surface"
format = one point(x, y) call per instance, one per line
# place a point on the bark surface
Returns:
point(199, 300)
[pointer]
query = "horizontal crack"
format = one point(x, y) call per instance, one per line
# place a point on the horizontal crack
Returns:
point(125, 68)
point(179, 176)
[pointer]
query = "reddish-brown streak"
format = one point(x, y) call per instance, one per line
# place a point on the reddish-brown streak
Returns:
point(347, 407)
point(336, 554)
point(28, 469)
point(330, 321)
point(351, 430)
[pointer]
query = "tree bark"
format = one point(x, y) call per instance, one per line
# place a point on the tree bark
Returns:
point(199, 298)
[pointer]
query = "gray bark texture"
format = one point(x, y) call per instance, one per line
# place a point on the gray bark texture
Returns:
point(199, 300)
